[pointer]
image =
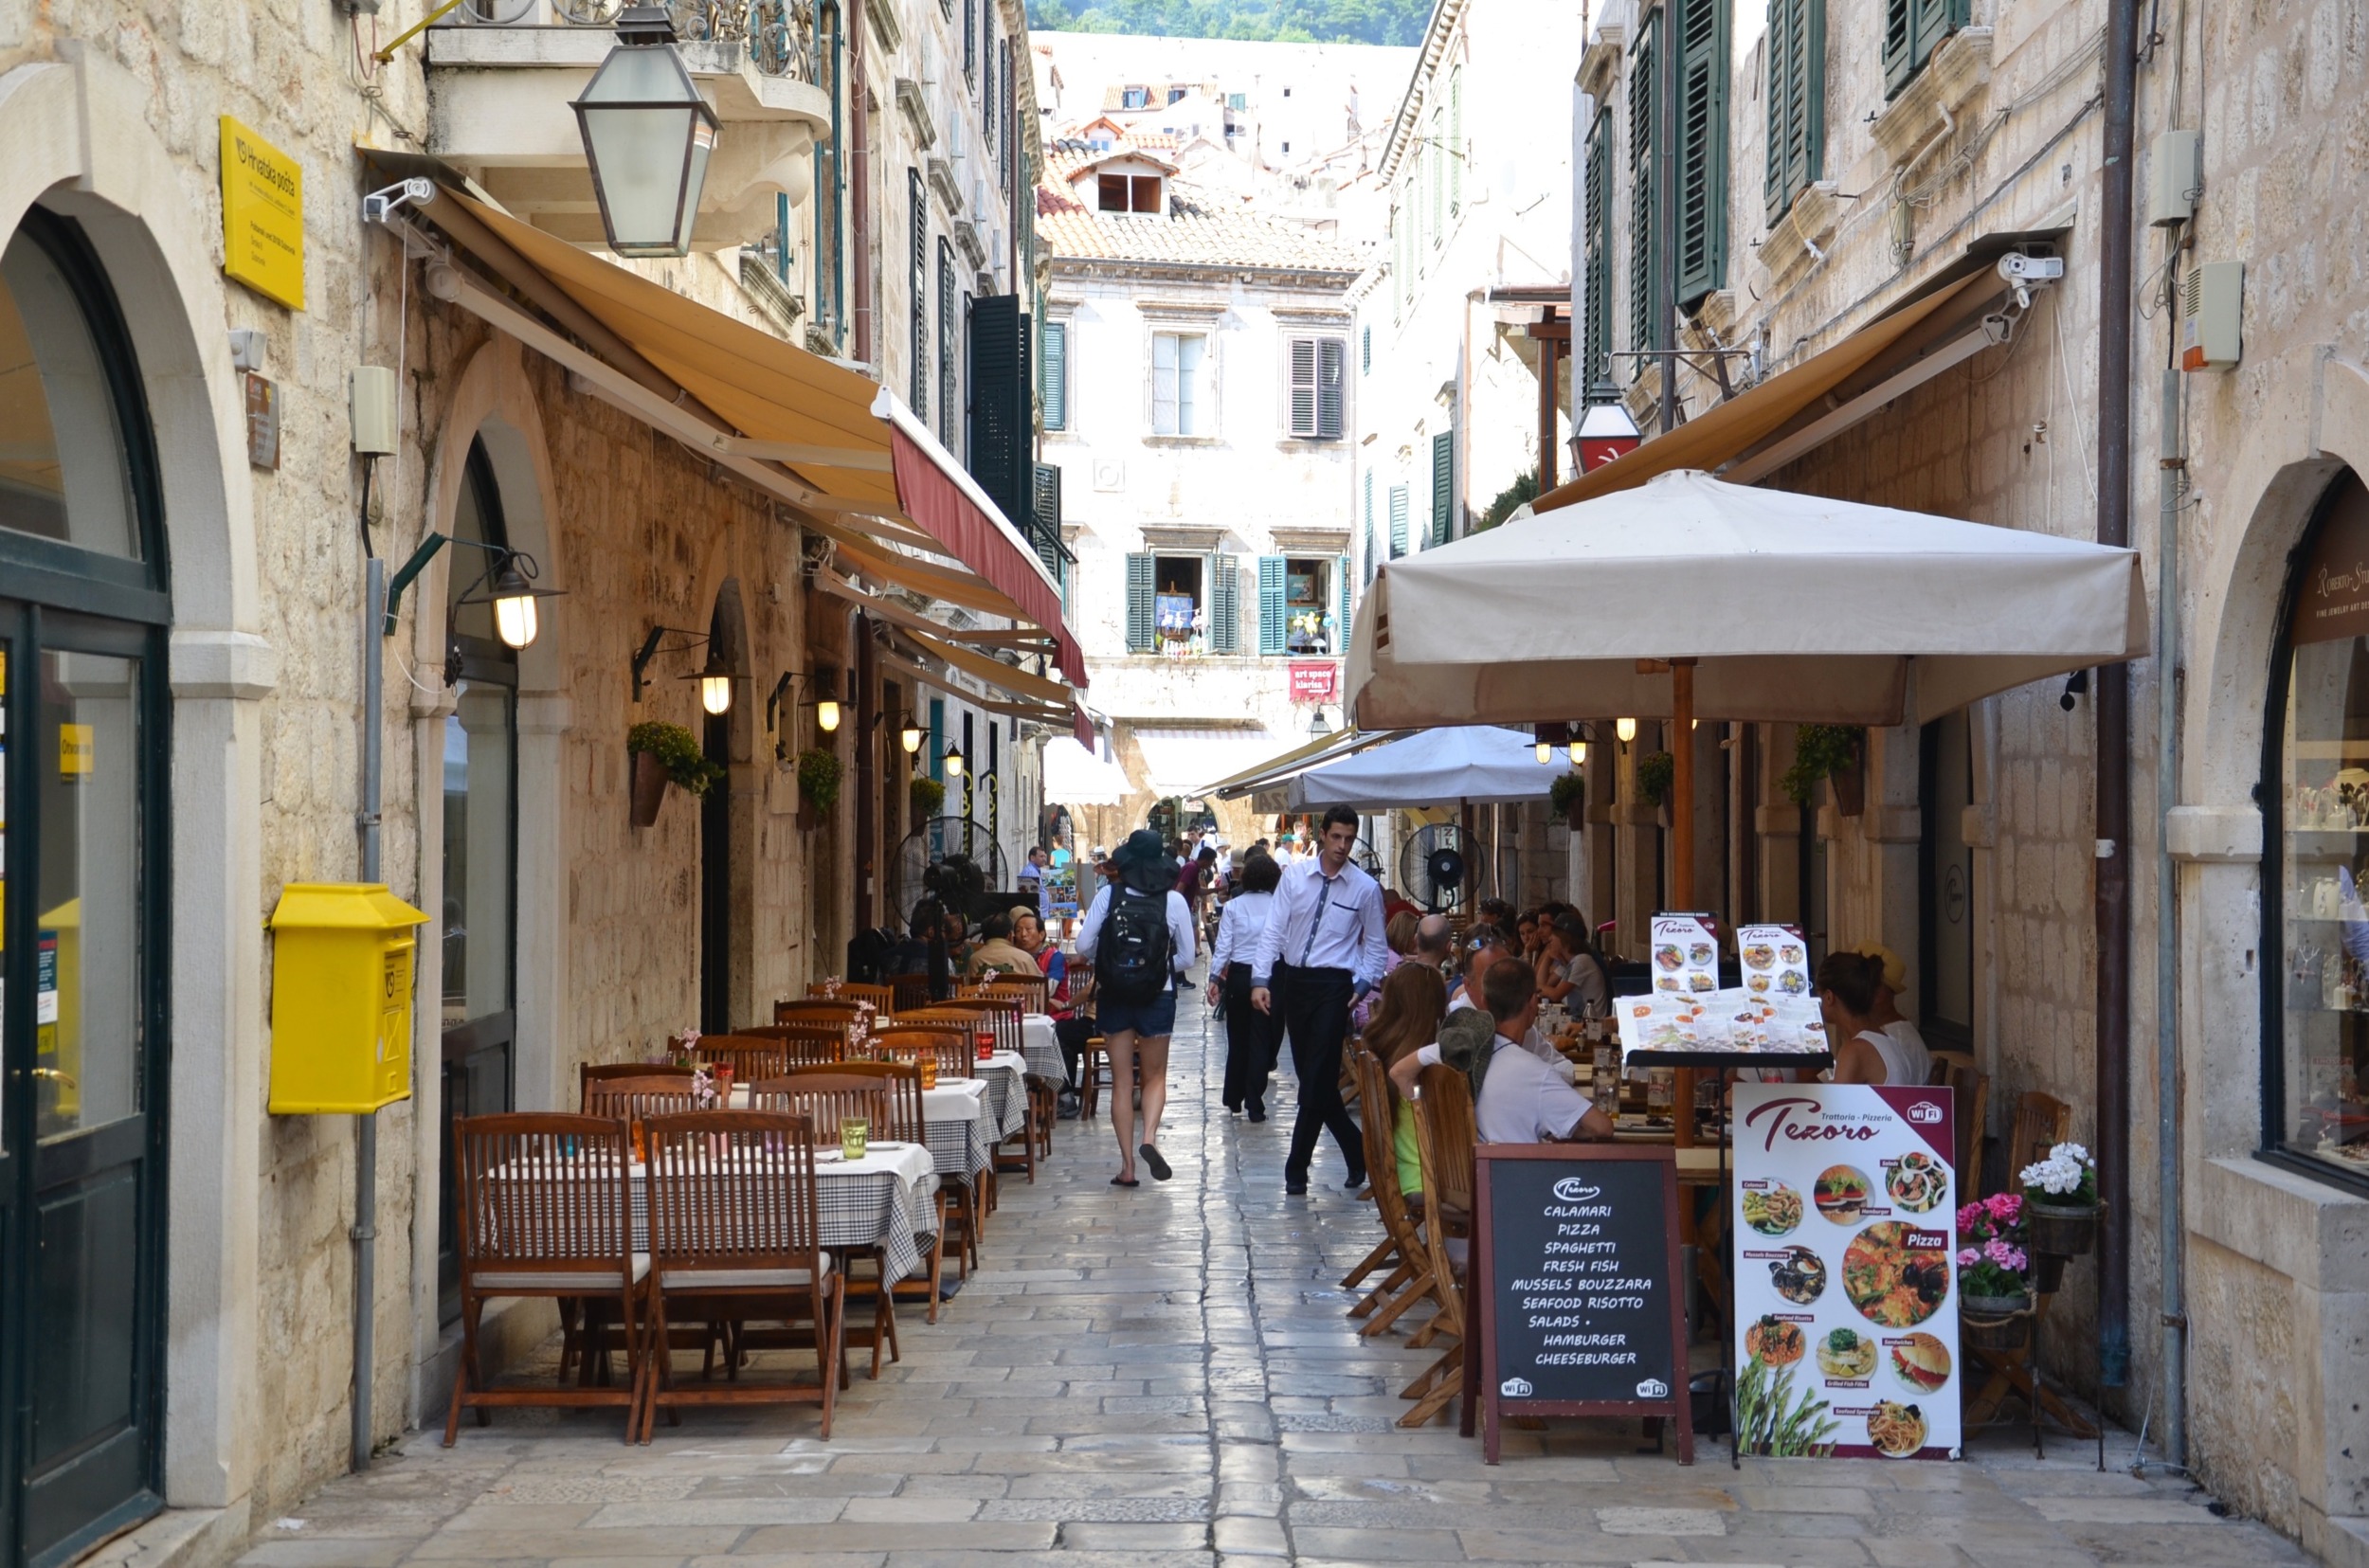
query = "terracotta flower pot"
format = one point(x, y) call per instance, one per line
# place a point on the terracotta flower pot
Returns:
point(2060, 1230)
point(649, 789)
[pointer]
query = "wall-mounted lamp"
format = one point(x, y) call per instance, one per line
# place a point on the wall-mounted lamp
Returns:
point(1544, 738)
point(1317, 727)
point(955, 761)
point(508, 585)
point(2075, 688)
point(774, 714)
point(1625, 729)
point(1577, 744)
point(909, 734)
point(715, 677)
point(826, 715)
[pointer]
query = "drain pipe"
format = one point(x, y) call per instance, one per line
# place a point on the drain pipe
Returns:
point(365, 1231)
point(2116, 243)
point(2173, 466)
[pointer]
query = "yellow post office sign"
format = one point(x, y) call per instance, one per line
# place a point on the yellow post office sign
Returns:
point(78, 746)
point(262, 215)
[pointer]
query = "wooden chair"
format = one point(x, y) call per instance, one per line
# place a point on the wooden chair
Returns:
point(1034, 991)
point(849, 990)
point(956, 1057)
point(750, 1058)
point(1970, 1088)
point(906, 991)
point(1006, 1016)
point(814, 1010)
point(635, 1100)
point(825, 1099)
point(2042, 1121)
point(804, 1045)
point(1944, 1060)
point(546, 1209)
point(1410, 1261)
point(737, 1234)
point(1443, 1140)
point(1094, 1071)
point(591, 1072)
point(905, 1119)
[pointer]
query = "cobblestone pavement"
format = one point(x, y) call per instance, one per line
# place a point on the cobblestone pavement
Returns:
point(1166, 1376)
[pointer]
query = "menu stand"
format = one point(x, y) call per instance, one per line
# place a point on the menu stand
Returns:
point(1682, 1127)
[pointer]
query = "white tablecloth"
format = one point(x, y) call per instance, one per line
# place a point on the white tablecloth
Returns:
point(956, 1118)
point(1041, 1046)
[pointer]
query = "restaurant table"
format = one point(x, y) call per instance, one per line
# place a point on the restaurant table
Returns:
point(1006, 1075)
point(954, 1120)
point(1041, 1045)
point(1682, 1114)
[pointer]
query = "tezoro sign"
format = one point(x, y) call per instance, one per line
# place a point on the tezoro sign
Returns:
point(1575, 1271)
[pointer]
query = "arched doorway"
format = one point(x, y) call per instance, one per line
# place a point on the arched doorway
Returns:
point(83, 936)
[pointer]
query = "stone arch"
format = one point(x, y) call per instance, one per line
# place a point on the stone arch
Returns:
point(81, 144)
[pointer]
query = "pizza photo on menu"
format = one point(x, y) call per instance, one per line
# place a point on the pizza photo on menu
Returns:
point(1896, 1275)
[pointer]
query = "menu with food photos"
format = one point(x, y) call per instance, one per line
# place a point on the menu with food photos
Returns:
point(1846, 1295)
point(1684, 955)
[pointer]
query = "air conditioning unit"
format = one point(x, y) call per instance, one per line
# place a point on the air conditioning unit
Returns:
point(2211, 310)
point(982, 202)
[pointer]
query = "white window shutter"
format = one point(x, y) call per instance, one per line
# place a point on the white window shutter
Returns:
point(1303, 386)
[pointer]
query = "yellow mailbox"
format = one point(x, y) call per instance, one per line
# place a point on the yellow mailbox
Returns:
point(340, 999)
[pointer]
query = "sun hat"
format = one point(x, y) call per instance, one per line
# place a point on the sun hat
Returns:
point(1895, 971)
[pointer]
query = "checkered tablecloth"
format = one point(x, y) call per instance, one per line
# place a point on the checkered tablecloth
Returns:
point(955, 1119)
point(1007, 1090)
point(1041, 1047)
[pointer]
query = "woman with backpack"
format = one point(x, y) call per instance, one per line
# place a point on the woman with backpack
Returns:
point(1140, 931)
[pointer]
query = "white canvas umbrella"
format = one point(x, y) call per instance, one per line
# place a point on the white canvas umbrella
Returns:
point(1792, 608)
point(1074, 776)
point(1470, 765)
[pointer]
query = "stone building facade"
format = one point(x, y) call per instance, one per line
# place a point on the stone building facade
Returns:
point(1897, 175)
point(227, 595)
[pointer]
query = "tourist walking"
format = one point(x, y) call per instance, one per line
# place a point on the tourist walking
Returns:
point(1254, 1039)
point(1323, 949)
point(1140, 931)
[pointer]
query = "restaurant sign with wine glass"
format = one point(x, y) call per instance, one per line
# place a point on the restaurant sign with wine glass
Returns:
point(1846, 1305)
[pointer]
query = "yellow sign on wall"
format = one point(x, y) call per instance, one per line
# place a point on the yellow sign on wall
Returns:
point(262, 215)
point(78, 746)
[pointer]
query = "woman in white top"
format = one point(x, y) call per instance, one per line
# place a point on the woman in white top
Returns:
point(1864, 1052)
point(1253, 1039)
point(1136, 1030)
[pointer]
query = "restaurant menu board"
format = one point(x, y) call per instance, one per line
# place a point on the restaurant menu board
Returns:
point(1777, 990)
point(1688, 1011)
point(1846, 1298)
point(1576, 1285)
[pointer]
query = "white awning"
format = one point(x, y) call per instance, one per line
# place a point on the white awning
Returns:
point(1074, 776)
point(1187, 762)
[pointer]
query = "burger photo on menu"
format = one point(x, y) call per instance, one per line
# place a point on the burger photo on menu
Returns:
point(1841, 1194)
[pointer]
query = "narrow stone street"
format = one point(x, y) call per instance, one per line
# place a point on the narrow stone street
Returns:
point(1166, 1376)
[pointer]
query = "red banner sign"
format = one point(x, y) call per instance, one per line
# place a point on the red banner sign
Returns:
point(1316, 681)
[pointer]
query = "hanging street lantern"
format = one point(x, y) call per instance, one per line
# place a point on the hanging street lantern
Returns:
point(648, 134)
point(910, 735)
point(1605, 432)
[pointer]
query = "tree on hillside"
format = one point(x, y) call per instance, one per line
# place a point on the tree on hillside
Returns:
point(1398, 22)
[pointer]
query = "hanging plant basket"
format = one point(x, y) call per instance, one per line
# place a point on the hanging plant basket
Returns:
point(1569, 796)
point(2060, 1230)
point(649, 789)
point(1995, 1323)
point(1836, 752)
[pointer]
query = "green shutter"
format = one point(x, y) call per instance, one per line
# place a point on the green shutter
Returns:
point(1597, 360)
point(1797, 100)
point(1271, 605)
point(1439, 186)
point(1442, 487)
point(1455, 150)
point(918, 201)
point(1341, 595)
point(1373, 545)
point(1912, 30)
point(1397, 521)
point(1053, 374)
point(1645, 326)
point(1703, 149)
point(1225, 603)
point(1332, 353)
point(1139, 604)
point(1365, 350)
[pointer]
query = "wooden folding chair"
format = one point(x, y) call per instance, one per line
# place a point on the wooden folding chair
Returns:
point(826, 1098)
point(1410, 1272)
point(850, 990)
point(750, 1058)
point(1944, 1059)
point(591, 1072)
point(910, 990)
point(733, 1231)
point(1034, 991)
point(1443, 1142)
point(804, 1045)
point(908, 1127)
point(1971, 1089)
point(546, 1209)
point(636, 1099)
point(1006, 1017)
point(815, 1010)
point(2041, 1123)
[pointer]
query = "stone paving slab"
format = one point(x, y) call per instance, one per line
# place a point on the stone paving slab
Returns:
point(1165, 1378)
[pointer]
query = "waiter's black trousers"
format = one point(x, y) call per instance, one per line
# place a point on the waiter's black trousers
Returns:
point(1316, 1008)
point(1253, 1042)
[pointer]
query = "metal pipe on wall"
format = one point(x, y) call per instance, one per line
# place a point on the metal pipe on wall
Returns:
point(2115, 306)
point(2168, 1207)
point(364, 1233)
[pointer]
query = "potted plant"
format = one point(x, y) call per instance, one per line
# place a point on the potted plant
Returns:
point(927, 796)
point(2061, 1201)
point(1827, 751)
point(664, 754)
point(1569, 796)
point(1994, 1284)
point(818, 785)
point(1656, 772)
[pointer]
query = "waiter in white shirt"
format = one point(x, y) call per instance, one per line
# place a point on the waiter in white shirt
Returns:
point(1324, 948)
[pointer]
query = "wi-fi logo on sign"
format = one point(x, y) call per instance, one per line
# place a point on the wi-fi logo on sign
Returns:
point(1925, 1114)
point(1573, 1190)
point(1515, 1388)
point(1653, 1388)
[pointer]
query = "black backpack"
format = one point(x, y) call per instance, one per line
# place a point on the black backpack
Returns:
point(1132, 961)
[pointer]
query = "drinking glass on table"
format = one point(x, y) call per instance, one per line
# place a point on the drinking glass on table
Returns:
point(929, 1071)
point(855, 1135)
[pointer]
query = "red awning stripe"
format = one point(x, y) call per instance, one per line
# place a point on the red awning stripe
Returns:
point(943, 507)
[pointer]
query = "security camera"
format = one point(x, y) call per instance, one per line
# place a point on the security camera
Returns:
point(380, 207)
point(2026, 273)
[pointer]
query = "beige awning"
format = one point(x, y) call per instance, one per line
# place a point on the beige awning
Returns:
point(1729, 429)
point(1276, 771)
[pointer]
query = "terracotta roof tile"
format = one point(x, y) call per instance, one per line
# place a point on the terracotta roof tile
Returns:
point(1195, 232)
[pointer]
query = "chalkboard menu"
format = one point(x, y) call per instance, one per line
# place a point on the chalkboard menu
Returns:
point(1575, 1285)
